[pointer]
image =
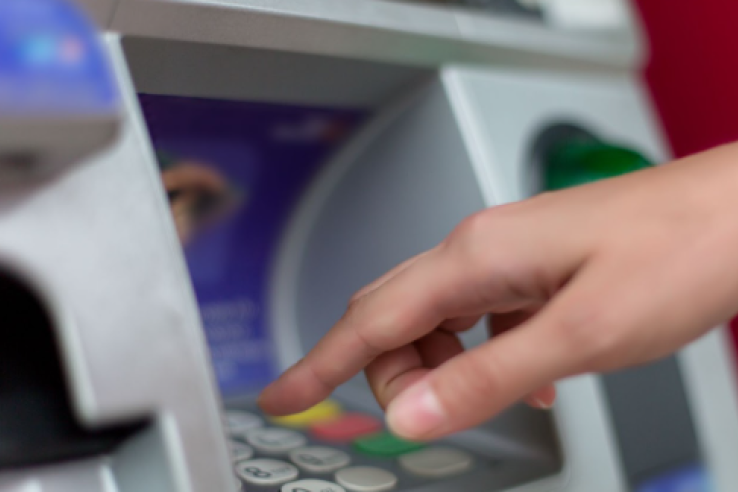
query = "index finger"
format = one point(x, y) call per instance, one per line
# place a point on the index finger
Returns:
point(403, 309)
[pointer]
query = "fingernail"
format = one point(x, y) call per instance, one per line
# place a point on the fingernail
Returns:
point(416, 413)
point(543, 405)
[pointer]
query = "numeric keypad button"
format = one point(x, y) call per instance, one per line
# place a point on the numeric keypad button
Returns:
point(312, 486)
point(240, 451)
point(264, 472)
point(275, 441)
point(237, 422)
point(346, 428)
point(436, 462)
point(318, 459)
point(366, 479)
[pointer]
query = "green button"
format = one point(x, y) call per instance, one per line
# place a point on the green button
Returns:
point(386, 445)
point(572, 163)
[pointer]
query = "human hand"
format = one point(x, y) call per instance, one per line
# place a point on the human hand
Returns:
point(591, 279)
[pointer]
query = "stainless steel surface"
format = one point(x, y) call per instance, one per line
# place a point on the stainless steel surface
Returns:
point(99, 246)
point(101, 11)
point(377, 30)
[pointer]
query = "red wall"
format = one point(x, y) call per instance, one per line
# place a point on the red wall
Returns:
point(693, 72)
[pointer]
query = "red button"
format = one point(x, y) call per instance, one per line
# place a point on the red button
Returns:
point(346, 428)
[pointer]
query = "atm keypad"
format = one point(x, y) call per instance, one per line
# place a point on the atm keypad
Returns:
point(312, 486)
point(236, 421)
point(265, 472)
point(327, 450)
point(320, 459)
point(275, 441)
point(385, 445)
point(326, 411)
point(346, 428)
point(240, 451)
point(366, 479)
point(436, 461)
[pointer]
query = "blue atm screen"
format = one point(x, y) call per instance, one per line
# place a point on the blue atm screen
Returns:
point(51, 60)
point(234, 172)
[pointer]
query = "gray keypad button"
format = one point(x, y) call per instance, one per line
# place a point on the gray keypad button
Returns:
point(236, 421)
point(318, 459)
point(240, 451)
point(274, 440)
point(264, 472)
point(436, 462)
point(312, 486)
point(366, 479)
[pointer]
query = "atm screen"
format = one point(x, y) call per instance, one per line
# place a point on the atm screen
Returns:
point(234, 172)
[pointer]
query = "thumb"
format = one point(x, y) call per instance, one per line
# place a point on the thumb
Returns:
point(480, 383)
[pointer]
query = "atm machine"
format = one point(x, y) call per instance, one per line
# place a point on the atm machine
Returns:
point(245, 167)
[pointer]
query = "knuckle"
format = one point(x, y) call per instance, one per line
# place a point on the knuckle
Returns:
point(475, 233)
point(470, 240)
point(472, 226)
point(479, 225)
point(376, 333)
point(490, 257)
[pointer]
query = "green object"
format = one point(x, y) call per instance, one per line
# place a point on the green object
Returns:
point(385, 445)
point(576, 162)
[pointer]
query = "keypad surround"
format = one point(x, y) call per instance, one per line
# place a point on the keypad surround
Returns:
point(359, 457)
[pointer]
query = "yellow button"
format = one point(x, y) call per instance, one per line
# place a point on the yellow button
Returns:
point(322, 412)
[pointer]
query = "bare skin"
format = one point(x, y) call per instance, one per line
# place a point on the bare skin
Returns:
point(587, 280)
